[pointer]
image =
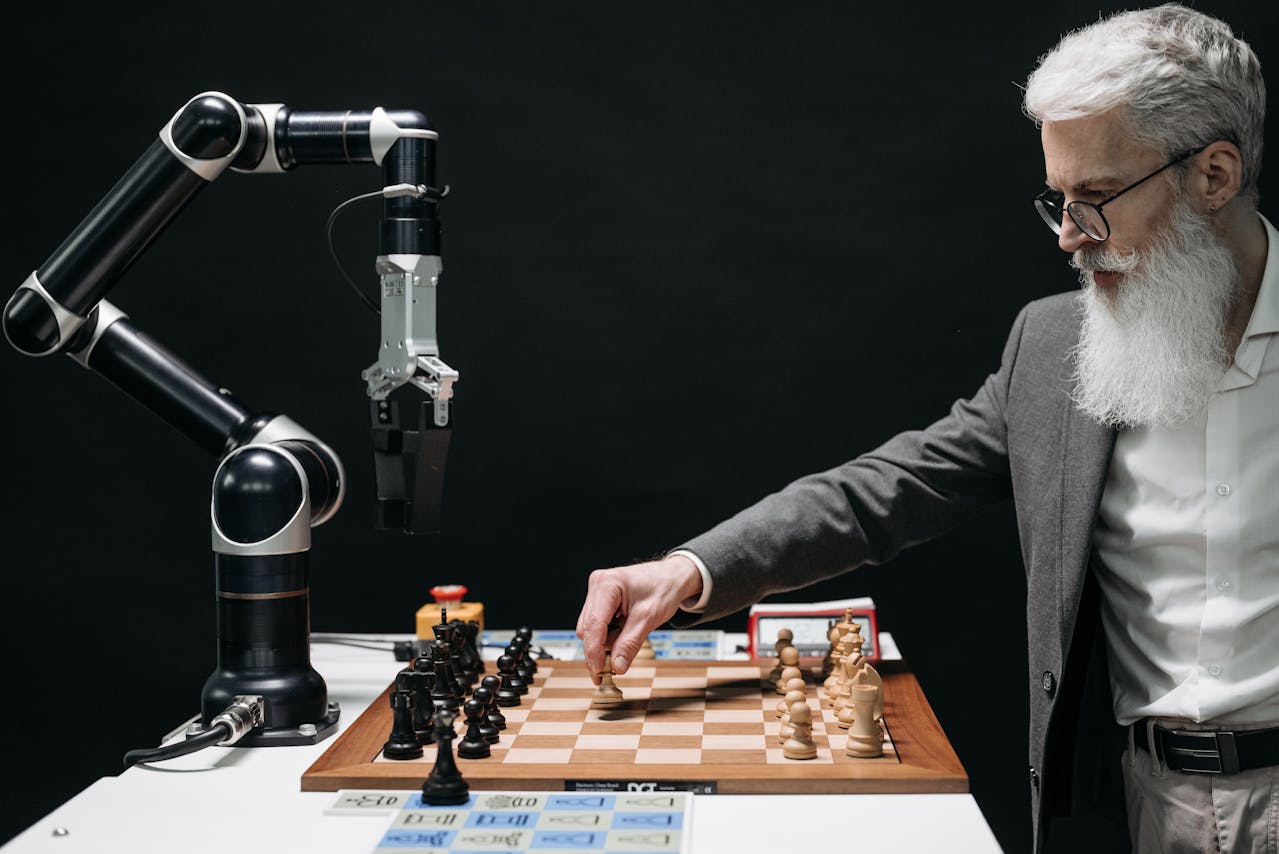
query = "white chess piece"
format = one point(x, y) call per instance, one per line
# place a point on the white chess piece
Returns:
point(800, 745)
point(607, 694)
point(790, 661)
point(866, 739)
point(795, 690)
point(785, 637)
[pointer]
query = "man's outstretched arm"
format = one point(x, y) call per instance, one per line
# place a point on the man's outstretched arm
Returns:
point(915, 487)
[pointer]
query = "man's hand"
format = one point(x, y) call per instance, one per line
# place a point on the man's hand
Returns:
point(626, 603)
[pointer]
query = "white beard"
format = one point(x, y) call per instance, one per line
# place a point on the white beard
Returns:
point(1152, 350)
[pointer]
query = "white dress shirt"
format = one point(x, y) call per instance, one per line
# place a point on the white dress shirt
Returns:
point(1188, 535)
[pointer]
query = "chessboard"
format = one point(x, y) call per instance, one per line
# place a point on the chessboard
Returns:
point(706, 727)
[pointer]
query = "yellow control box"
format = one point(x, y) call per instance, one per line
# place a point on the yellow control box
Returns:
point(449, 598)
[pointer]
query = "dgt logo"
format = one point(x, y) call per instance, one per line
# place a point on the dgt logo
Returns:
point(641, 787)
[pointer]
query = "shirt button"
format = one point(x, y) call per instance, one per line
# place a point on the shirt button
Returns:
point(1223, 586)
point(1214, 669)
point(1223, 489)
point(1050, 683)
point(1034, 777)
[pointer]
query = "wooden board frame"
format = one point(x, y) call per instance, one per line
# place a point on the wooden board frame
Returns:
point(926, 760)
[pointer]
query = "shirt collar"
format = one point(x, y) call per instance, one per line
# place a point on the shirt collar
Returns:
point(1263, 323)
point(1265, 314)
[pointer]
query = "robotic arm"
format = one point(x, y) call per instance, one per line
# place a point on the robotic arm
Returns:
point(275, 480)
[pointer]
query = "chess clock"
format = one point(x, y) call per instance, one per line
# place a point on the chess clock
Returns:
point(810, 622)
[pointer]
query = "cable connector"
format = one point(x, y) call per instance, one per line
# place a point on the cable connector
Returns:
point(241, 716)
point(417, 191)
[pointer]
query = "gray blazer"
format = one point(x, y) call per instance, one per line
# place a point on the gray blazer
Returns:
point(1018, 437)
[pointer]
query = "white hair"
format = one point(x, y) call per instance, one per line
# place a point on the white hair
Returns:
point(1181, 79)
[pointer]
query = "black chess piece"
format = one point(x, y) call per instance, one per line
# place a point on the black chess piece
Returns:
point(444, 638)
point(445, 786)
point(462, 669)
point(523, 663)
point(470, 632)
point(507, 695)
point(403, 743)
point(526, 634)
point(517, 682)
point(444, 693)
point(488, 729)
point(494, 714)
point(473, 744)
point(471, 660)
point(420, 683)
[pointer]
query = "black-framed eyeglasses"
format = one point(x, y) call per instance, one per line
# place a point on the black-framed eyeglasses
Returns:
point(1086, 215)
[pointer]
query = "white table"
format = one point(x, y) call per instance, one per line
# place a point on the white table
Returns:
point(228, 799)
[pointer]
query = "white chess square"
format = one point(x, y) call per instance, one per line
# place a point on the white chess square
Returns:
point(637, 673)
point(566, 682)
point(732, 716)
point(549, 728)
point(694, 683)
point(538, 755)
point(561, 704)
point(732, 674)
point(733, 742)
point(607, 742)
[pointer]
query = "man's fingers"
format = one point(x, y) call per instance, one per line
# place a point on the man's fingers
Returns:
point(602, 603)
point(628, 642)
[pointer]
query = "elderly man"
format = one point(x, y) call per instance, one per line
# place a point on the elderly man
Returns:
point(1135, 425)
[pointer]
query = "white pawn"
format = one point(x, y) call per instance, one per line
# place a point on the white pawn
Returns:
point(790, 668)
point(800, 744)
point(785, 637)
point(795, 690)
point(607, 694)
point(866, 739)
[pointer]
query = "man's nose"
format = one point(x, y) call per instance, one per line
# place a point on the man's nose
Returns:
point(1072, 237)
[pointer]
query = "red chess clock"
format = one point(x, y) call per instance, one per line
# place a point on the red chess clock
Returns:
point(810, 622)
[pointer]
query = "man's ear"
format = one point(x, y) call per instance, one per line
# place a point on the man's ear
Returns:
point(1216, 175)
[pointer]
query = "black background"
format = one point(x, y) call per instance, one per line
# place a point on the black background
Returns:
point(692, 252)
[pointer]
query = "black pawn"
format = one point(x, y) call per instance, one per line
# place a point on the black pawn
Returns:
point(517, 681)
point(473, 744)
point(523, 661)
point(507, 695)
point(526, 634)
point(495, 716)
point(403, 743)
point(445, 786)
point(488, 729)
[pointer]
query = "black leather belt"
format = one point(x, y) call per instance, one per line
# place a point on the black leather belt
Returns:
point(1211, 752)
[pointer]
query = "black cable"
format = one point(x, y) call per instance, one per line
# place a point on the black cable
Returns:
point(419, 191)
point(214, 734)
point(364, 298)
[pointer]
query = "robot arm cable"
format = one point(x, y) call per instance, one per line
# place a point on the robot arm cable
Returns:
point(417, 191)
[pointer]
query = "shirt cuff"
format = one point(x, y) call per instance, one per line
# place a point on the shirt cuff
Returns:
point(699, 605)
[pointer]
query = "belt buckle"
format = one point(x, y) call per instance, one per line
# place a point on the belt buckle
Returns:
point(1211, 753)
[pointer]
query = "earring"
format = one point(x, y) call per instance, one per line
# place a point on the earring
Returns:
point(1211, 208)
